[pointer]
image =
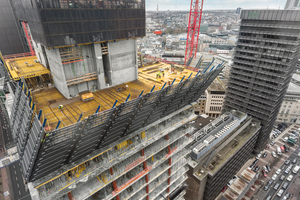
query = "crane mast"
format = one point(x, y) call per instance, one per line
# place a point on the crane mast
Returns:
point(193, 29)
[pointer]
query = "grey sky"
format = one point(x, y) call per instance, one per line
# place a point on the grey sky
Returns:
point(215, 4)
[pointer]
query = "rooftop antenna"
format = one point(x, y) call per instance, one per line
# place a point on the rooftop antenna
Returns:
point(157, 12)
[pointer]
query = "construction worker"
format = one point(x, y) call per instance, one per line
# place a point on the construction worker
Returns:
point(158, 74)
point(163, 73)
point(60, 107)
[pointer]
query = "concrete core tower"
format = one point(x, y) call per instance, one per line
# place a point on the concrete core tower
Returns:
point(87, 45)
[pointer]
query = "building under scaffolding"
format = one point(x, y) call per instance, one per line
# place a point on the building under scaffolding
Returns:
point(129, 142)
point(106, 130)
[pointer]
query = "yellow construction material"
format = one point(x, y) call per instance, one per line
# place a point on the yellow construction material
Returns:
point(25, 67)
point(143, 135)
point(122, 145)
point(87, 97)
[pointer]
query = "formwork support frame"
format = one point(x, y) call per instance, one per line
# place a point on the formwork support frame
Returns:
point(146, 176)
point(114, 182)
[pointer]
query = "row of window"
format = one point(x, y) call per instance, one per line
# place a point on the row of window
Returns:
point(215, 108)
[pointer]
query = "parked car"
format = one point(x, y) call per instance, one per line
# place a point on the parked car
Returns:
point(290, 177)
point(258, 156)
point(268, 168)
point(285, 185)
point(267, 146)
point(256, 168)
point(286, 148)
point(296, 169)
point(274, 177)
point(269, 197)
point(287, 195)
point(274, 154)
point(272, 143)
point(285, 139)
point(266, 187)
point(279, 151)
point(282, 149)
point(224, 188)
point(264, 173)
point(287, 162)
point(276, 186)
point(294, 161)
point(280, 192)
point(278, 171)
point(282, 177)
point(264, 155)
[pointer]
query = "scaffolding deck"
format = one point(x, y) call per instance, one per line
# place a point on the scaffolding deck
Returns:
point(25, 67)
point(50, 99)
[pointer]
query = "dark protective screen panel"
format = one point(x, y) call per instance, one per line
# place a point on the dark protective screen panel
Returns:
point(61, 23)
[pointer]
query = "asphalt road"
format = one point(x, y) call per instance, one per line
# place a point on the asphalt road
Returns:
point(271, 191)
point(5, 128)
point(15, 182)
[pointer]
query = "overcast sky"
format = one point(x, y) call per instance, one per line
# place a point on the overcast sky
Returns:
point(215, 4)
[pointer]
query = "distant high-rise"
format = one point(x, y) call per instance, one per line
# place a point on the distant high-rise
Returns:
point(238, 10)
point(265, 58)
point(292, 4)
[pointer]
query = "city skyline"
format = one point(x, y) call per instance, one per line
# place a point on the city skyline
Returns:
point(177, 5)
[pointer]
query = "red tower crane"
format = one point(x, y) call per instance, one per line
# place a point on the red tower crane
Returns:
point(193, 29)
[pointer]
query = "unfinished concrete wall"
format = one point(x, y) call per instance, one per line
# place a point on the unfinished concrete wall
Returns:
point(81, 68)
point(98, 59)
point(123, 61)
point(57, 71)
point(41, 56)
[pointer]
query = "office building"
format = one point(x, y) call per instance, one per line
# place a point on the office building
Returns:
point(290, 107)
point(238, 10)
point(219, 150)
point(292, 4)
point(264, 61)
point(211, 103)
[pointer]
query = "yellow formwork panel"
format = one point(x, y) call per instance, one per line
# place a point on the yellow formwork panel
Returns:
point(25, 67)
point(49, 100)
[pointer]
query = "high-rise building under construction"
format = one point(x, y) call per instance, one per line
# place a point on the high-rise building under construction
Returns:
point(265, 58)
point(105, 131)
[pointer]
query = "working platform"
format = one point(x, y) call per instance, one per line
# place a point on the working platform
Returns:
point(49, 99)
point(26, 67)
point(34, 73)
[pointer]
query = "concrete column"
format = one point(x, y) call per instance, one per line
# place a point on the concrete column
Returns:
point(57, 71)
point(99, 66)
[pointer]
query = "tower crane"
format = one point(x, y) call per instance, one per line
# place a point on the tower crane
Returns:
point(193, 29)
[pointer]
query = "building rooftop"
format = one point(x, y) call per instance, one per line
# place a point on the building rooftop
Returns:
point(49, 99)
point(228, 150)
point(217, 85)
point(25, 67)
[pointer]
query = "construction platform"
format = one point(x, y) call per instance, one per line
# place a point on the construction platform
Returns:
point(49, 99)
point(26, 67)
point(29, 68)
